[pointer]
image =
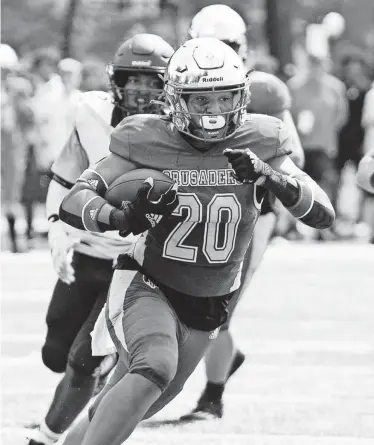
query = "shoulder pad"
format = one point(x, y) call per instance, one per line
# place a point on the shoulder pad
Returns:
point(92, 123)
point(269, 95)
point(260, 133)
point(136, 137)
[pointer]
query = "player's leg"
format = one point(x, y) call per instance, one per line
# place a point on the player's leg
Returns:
point(150, 333)
point(191, 351)
point(223, 359)
point(81, 376)
point(76, 434)
point(69, 310)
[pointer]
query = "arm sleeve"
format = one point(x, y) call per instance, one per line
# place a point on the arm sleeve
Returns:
point(297, 154)
point(71, 162)
point(312, 207)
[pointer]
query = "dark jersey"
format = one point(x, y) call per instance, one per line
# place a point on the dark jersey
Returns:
point(199, 249)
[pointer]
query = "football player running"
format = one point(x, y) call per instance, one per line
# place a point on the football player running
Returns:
point(82, 260)
point(269, 95)
point(169, 296)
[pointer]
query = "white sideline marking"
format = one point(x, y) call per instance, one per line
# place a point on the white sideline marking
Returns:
point(252, 439)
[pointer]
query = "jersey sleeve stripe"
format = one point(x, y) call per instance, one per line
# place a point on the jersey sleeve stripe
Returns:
point(305, 201)
point(90, 213)
point(98, 174)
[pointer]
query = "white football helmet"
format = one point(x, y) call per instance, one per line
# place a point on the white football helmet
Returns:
point(8, 57)
point(201, 67)
point(223, 23)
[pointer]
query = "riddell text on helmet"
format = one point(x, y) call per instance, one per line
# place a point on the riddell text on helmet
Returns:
point(212, 79)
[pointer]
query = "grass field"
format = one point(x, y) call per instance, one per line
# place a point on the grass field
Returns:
point(306, 326)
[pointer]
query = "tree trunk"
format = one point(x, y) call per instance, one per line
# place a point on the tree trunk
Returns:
point(278, 31)
point(67, 48)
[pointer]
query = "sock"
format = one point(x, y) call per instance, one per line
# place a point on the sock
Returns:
point(48, 434)
point(71, 396)
point(213, 391)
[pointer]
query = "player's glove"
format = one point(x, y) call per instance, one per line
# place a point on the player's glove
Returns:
point(142, 214)
point(247, 166)
point(62, 247)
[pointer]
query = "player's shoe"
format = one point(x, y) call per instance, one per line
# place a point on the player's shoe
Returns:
point(212, 409)
point(32, 442)
point(205, 410)
point(41, 436)
point(40, 439)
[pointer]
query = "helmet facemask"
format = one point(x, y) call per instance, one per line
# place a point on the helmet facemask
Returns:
point(135, 100)
point(205, 126)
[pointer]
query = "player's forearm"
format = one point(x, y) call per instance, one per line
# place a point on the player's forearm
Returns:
point(365, 173)
point(303, 198)
point(56, 193)
point(84, 208)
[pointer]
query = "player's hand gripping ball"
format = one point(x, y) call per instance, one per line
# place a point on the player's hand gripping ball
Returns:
point(248, 167)
point(141, 197)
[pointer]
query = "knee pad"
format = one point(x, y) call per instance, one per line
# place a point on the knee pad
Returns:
point(157, 362)
point(54, 357)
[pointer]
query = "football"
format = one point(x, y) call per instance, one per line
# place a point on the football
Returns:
point(126, 186)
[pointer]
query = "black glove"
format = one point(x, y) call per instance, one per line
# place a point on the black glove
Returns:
point(142, 214)
point(247, 166)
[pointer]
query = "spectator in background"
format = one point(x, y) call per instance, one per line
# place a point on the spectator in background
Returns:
point(366, 165)
point(355, 73)
point(94, 77)
point(17, 121)
point(56, 84)
point(319, 108)
point(43, 74)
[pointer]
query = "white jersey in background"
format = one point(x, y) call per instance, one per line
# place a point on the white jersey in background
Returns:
point(88, 144)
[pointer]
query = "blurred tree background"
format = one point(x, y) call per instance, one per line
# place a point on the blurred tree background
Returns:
point(82, 28)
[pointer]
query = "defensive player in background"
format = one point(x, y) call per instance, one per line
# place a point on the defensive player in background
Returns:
point(82, 260)
point(169, 296)
point(269, 95)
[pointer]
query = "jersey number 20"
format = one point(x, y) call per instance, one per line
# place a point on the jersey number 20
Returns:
point(214, 250)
